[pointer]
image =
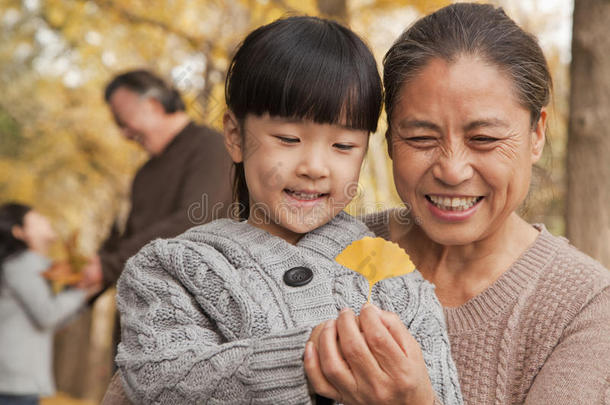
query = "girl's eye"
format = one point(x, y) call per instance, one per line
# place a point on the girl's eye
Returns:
point(286, 139)
point(343, 146)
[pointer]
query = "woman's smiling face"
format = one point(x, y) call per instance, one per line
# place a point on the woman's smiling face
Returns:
point(462, 148)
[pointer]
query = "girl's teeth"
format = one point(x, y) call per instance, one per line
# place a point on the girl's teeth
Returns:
point(305, 196)
point(453, 204)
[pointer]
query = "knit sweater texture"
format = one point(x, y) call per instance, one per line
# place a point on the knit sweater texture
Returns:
point(540, 334)
point(207, 318)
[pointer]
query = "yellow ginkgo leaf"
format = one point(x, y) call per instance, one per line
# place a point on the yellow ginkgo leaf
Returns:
point(376, 259)
point(69, 271)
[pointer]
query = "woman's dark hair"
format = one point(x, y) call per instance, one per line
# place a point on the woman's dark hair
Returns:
point(147, 84)
point(11, 214)
point(470, 29)
point(304, 68)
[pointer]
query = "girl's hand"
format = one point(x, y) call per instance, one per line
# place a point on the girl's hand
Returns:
point(92, 273)
point(366, 360)
point(92, 290)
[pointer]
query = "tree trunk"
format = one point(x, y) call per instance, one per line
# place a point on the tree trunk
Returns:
point(83, 351)
point(334, 9)
point(588, 150)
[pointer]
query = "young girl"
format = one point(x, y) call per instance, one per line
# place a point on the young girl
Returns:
point(29, 311)
point(222, 313)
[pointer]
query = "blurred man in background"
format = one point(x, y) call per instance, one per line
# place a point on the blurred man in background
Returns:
point(186, 182)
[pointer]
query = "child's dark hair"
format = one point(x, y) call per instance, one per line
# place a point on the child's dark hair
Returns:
point(305, 68)
point(11, 215)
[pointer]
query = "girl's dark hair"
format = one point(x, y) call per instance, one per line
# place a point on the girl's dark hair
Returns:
point(304, 68)
point(146, 83)
point(470, 29)
point(11, 214)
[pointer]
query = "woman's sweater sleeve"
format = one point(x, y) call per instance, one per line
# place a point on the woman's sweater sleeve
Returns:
point(172, 351)
point(578, 369)
point(46, 309)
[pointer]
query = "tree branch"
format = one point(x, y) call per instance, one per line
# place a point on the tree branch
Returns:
point(195, 42)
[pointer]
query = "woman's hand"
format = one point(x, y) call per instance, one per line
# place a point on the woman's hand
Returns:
point(370, 359)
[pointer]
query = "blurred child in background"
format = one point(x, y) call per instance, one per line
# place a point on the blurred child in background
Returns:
point(29, 310)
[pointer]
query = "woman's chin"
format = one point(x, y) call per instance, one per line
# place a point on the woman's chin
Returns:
point(450, 238)
point(450, 233)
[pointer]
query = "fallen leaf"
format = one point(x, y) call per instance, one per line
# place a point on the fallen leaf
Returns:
point(376, 259)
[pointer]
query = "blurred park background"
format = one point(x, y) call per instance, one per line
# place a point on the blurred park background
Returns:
point(61, 151)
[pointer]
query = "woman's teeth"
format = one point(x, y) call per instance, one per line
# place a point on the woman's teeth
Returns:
point(453, 204)
point(304, 196)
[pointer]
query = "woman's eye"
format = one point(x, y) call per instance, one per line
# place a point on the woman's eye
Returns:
point(483, 139)
point(286, 139)
point(422, 141)
point(343, 146)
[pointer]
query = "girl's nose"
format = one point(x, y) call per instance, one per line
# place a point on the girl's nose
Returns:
point(127, 133)
point(313, 165)
point(453, 169)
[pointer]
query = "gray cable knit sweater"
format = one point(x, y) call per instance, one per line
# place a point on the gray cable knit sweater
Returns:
point(207, 317)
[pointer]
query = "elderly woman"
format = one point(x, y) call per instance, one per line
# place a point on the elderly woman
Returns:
point(528, 315)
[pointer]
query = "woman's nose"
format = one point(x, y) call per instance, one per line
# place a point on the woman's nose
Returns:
point(453, 168)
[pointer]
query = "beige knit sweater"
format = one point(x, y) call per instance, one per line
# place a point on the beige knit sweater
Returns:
point(540, 334)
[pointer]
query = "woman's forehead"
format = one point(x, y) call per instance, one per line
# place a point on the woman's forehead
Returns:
point(470, 87)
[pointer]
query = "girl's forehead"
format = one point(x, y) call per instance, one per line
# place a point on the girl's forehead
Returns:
point(341, 122)
point(303, 123)
point(34, 216)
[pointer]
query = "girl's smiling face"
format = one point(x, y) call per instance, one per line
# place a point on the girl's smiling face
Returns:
point(462, 148)
point(36, 232)
point(300, 174)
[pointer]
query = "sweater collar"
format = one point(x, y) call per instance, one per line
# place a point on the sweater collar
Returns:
point(334, 236)
point(520, 276)
point(328, 240)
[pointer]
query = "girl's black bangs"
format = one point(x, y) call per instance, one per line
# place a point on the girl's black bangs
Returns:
point(325, 76)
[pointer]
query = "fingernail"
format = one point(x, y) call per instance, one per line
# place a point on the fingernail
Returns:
point(329, 324)
point(344, 310)
point(308, 348)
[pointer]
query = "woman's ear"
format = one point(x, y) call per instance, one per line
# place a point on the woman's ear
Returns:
point(233, 137)
point(539, 136)
point(388, 141)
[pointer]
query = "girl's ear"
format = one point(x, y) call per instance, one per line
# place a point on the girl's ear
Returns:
point(18, 232)
point(539, 136)
point(232, 135)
